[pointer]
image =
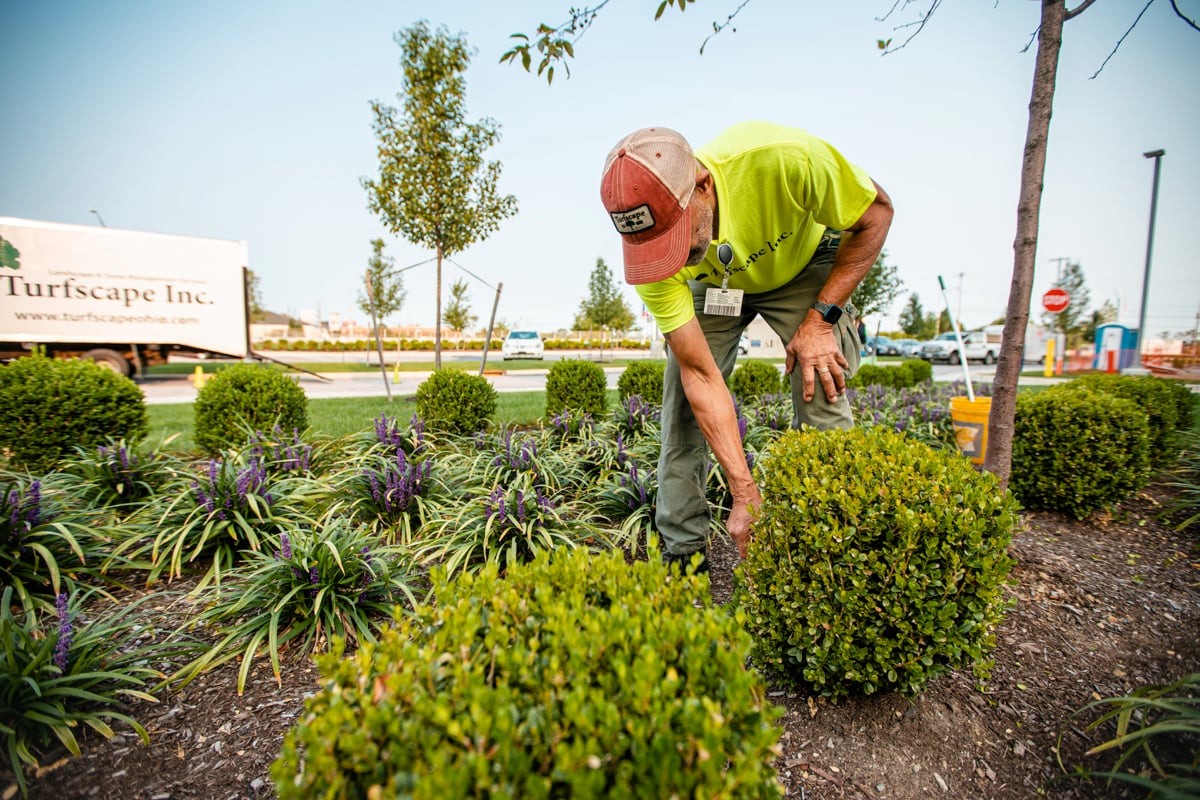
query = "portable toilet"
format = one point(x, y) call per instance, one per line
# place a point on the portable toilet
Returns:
point(1121, 342)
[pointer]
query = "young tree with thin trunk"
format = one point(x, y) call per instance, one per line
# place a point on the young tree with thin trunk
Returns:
point(458, 312)
point(604, 307)
point(555, 44)
point(387, 289)
point(435, 187)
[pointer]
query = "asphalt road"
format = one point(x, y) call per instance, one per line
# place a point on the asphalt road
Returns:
point(179, 388)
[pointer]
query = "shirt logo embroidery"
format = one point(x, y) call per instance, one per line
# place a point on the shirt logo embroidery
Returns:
point(634, 220)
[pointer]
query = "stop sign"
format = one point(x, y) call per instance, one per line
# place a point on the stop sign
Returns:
point(1055, 300)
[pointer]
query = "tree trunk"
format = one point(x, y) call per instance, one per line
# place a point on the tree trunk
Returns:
point(1033, 168)
point(437, 331)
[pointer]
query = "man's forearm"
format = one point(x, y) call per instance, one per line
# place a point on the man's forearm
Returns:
point(715, 414)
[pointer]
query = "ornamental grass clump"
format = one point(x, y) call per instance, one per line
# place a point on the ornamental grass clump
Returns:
point(629, 499)
point(575, 676)
point(876, 563)
point(115, 476)
point(509, 524)
point(45, 549)
point(1077, 451)
point(69, 666)
point(389, 492)
point(214, 512)
point(1156, 740)
point(333, 581)
point(636, 417)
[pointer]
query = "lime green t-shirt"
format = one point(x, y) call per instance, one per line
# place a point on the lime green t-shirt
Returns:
point(778, 190)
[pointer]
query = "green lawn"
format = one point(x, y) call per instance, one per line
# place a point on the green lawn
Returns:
point(339, 416)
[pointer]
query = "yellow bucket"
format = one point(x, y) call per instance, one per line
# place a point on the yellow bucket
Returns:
point(970, 421)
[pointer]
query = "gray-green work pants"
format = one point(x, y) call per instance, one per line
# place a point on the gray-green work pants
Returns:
point(683, 515)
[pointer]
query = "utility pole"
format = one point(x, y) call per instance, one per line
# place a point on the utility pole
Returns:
point(1157, 156)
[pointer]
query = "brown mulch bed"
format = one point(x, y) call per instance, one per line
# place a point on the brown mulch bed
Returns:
point(1102, 607)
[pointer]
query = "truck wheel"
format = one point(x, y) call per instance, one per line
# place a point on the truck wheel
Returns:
point(109, 359)
point(954, 359)
point(988, 358)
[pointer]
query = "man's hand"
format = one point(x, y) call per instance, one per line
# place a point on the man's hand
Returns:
point(738, 523)
point(814, 350)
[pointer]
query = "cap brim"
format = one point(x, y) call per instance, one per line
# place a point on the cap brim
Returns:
point(660, 257)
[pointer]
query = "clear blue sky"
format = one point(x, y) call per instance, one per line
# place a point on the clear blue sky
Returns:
point(250, 120)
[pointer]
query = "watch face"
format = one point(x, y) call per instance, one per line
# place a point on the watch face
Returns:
point(833, 315)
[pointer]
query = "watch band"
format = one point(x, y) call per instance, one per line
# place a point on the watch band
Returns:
point(829, 312)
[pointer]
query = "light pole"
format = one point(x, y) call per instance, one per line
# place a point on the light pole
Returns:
point(1157, 156)
point(97, 213)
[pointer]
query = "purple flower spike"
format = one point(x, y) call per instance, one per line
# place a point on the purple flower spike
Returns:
point(62, 649)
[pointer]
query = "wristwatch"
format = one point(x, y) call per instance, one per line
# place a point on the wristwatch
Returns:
point(829, 312)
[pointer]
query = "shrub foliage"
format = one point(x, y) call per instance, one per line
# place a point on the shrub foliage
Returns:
point(580, 386)
point(49, 407)
point(453, 401)
point(754, 379)
point(244, 398)
point(644, 379)
point(1077, 451)
point(574, 676)
point(876, 562)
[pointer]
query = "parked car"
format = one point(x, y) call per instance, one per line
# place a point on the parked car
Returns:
point(881, 346)
point(907, 347)
point(743, 345)
point(523, 344)
point(946, 348)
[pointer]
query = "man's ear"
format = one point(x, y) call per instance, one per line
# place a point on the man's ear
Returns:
point(704, 180)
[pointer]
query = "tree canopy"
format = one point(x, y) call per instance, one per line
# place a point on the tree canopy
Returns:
point(604, 306)
point(458, 311)
point(878, 290)
point(435, 187)
point(387, 288)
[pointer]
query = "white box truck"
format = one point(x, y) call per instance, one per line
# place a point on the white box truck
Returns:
point(125, 299)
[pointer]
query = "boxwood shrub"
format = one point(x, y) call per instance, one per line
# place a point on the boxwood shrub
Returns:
point(453, 401)
point(1078, 451)
point(49, 407)
point(578, 385)
point(906, 374)
point(1155, 396)
point(876, 563)
point(241, 399)
point(644, 379)
point(754, 379)
point(576, 676)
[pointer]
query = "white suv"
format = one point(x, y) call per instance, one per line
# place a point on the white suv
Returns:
point(945, 348)
point(523, 344)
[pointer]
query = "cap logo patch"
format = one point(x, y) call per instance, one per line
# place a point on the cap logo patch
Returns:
point(634, 220)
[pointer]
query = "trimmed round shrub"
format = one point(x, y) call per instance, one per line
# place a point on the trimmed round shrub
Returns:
point(1185, 403)
point(1077, 451)
point(906, 374)
point(49, 407)
point(240, 399)
point(577, 385)
point(576, 676)
point(918, 369)
point(1153, 395)
point(754, 379)
point(644, 379)
point(453, 401)
point(875, 375)
point(876, 563)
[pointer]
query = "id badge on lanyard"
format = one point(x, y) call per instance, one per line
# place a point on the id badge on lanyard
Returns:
point(724, 302)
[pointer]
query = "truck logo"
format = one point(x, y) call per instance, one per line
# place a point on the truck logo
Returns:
point(10, 256)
